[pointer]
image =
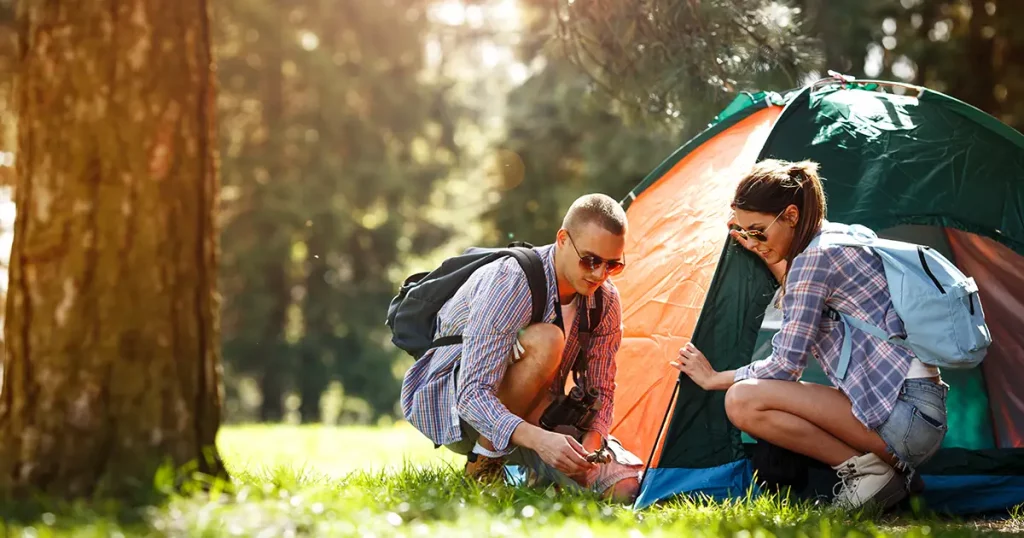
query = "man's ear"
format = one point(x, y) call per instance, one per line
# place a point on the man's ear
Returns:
point(561, 236)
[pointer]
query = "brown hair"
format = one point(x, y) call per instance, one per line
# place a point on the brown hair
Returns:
point(599, 208)
point(772, 185)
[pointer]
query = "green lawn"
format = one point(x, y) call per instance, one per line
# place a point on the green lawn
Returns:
point(335, 452)
point(319, 481)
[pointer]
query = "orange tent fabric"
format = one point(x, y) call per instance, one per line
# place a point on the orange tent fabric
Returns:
point(677, 232)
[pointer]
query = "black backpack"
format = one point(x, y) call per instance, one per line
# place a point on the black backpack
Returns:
point(412, 314)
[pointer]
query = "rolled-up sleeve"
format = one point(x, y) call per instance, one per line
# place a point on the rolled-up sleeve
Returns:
point(604, 344)
point(498, 311)
point(807, 286)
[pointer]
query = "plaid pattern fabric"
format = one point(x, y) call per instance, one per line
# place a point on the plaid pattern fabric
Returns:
point(461, 381)
point(851, 280)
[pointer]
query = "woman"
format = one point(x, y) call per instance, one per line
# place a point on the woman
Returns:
point(887, 415)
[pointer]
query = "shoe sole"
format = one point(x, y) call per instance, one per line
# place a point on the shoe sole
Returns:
point(891, 493)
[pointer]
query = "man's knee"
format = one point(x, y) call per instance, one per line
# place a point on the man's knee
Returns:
point(741, 403)
point(542, 343)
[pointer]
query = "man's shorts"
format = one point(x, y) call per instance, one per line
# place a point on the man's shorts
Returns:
point(624, 464)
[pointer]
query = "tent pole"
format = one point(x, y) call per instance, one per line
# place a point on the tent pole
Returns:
point(661, 431)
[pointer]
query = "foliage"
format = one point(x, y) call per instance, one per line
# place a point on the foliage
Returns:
point(335, 138)
point(561, 142)
point(564, 138)
point(365, 139)
point(669, 56)
point(971, 49)
point(422, 499)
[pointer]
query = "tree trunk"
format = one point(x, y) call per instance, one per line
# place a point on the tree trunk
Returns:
point(979, 86)
point(112, 330)
point(275, 372)
point(313, 377)
point(272, 392)
point(312, 382)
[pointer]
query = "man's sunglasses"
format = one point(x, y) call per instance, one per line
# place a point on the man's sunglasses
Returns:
point(592, 263)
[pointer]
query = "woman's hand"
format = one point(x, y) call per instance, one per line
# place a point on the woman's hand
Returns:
point(693, 363)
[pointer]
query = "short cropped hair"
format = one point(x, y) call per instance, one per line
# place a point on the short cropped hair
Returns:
point(598, 208)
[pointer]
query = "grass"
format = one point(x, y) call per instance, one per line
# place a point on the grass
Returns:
point(319, 481)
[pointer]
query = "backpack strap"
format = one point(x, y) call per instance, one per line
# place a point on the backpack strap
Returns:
point(533, 267)
point(847, 347)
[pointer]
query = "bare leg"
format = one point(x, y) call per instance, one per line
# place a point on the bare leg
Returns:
point(811, 419)
point(624, 491)
point(524, 388)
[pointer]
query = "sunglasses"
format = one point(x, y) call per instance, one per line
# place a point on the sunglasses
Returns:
point(592, 263)
point(757, 235)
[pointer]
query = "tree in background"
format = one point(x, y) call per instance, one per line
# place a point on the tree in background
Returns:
point(563, 140)
point(260, 210)
point(970, 49)
point(338, 138)
point(664, 56)
point(681, 58)
point(112, 317)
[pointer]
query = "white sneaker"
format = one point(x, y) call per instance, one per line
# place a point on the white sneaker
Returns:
point(866, 478)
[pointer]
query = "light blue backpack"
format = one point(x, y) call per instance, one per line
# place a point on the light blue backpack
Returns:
point(939, 305)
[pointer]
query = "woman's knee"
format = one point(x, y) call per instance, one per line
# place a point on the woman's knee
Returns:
point(741, 403)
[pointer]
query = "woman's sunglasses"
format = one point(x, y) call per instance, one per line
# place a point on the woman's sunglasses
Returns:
point(592, 263)
point(757, 235)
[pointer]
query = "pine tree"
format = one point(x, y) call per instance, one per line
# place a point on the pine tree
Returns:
point(112, 363)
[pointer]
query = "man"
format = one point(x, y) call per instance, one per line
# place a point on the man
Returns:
point(484, 398)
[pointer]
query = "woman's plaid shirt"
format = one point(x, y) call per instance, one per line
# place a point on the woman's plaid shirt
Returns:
point(851, 280)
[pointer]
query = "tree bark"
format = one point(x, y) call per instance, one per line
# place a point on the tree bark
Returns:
point(978, 88)
point(272, 392)
point(273, 363)
point(313, 378)
point(113, 354)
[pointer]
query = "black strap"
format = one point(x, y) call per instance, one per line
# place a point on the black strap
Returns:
point(587, 322)
point(831, 313)
point(533, 267)
point(447, 341)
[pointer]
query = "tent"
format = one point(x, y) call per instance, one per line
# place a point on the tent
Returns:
point(906, 161)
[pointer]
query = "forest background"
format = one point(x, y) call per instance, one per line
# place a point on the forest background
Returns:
point(362, 140)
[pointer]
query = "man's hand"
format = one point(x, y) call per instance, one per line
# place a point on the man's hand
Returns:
point(592, 442)
point(559, 451)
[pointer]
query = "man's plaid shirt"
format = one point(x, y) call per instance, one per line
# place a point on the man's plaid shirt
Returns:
point(489, 310)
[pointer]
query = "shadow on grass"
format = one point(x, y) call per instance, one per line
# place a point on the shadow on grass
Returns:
point(125, 506)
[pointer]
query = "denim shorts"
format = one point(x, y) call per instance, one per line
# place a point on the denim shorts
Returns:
point(915, 429)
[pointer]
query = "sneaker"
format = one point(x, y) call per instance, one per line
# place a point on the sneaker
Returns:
point(485, 469)
point(916, 485)
point(866, 478)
